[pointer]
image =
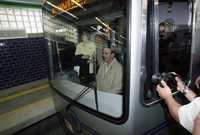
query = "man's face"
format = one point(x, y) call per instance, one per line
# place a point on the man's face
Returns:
point(107, 55)
point(162, 31)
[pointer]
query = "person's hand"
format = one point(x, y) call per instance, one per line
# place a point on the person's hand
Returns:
point(197, 82)
point(85, 57)
point(164, 92)
point(180, 84)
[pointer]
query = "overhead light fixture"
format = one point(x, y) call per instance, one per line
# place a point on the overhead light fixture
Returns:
point(122, 37)
point(104, 24)
point(79, 5)
point(118, 41)
point(95, 29)
point(107, 26)
point(62, 10)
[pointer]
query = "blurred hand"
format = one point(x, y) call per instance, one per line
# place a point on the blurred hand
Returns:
point(164, 92)
point(197, 82)
point(180, 84)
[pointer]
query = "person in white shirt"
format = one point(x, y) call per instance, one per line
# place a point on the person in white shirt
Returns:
point(184, 114)
point(86, 48)
point(85, 51)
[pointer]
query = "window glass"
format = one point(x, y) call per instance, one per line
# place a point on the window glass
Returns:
point(90, 47)
point(172, 51)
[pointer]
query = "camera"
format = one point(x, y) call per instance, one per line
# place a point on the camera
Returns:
point(169, 78)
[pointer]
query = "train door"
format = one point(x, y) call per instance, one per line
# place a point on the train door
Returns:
point(103, 54)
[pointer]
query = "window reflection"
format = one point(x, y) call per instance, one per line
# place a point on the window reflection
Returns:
point(109, 75)
point(84, 59)
point(173, 49)
point(88, 52)
point(21, 18)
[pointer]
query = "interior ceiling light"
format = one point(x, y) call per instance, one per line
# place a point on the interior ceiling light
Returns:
point(104, 24)
point(107, 26)
point(79, 5)
point(62, 10)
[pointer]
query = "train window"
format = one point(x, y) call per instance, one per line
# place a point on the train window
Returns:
point(168, 47)
point(88, 42)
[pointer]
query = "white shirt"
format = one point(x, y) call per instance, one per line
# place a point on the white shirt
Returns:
point(187, 113)
point(86, 48)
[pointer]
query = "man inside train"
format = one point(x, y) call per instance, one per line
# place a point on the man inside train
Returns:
point(184, 114)
point(84, 54)
point(110, 73)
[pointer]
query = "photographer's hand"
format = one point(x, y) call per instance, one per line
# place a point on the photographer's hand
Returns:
point(164, 91)
point(189, 94)
point(166, 94)
point(180, 85)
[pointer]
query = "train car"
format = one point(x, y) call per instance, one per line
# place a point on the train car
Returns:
point(123, 36)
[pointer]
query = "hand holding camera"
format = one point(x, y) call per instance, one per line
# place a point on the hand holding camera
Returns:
point(163, 90)
point(168, 78)
point(167, 83)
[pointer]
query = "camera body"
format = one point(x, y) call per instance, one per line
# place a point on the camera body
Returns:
point(169, 78)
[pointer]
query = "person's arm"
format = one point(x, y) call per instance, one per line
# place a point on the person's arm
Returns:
point(166, 94)
point(188, 93)
point(196, 129)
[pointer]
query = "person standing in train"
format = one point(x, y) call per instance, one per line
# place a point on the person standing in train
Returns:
point(184, 114)
point(84, 54)
point(110, 73)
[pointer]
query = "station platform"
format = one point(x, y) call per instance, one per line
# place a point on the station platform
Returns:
point(23, 106)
